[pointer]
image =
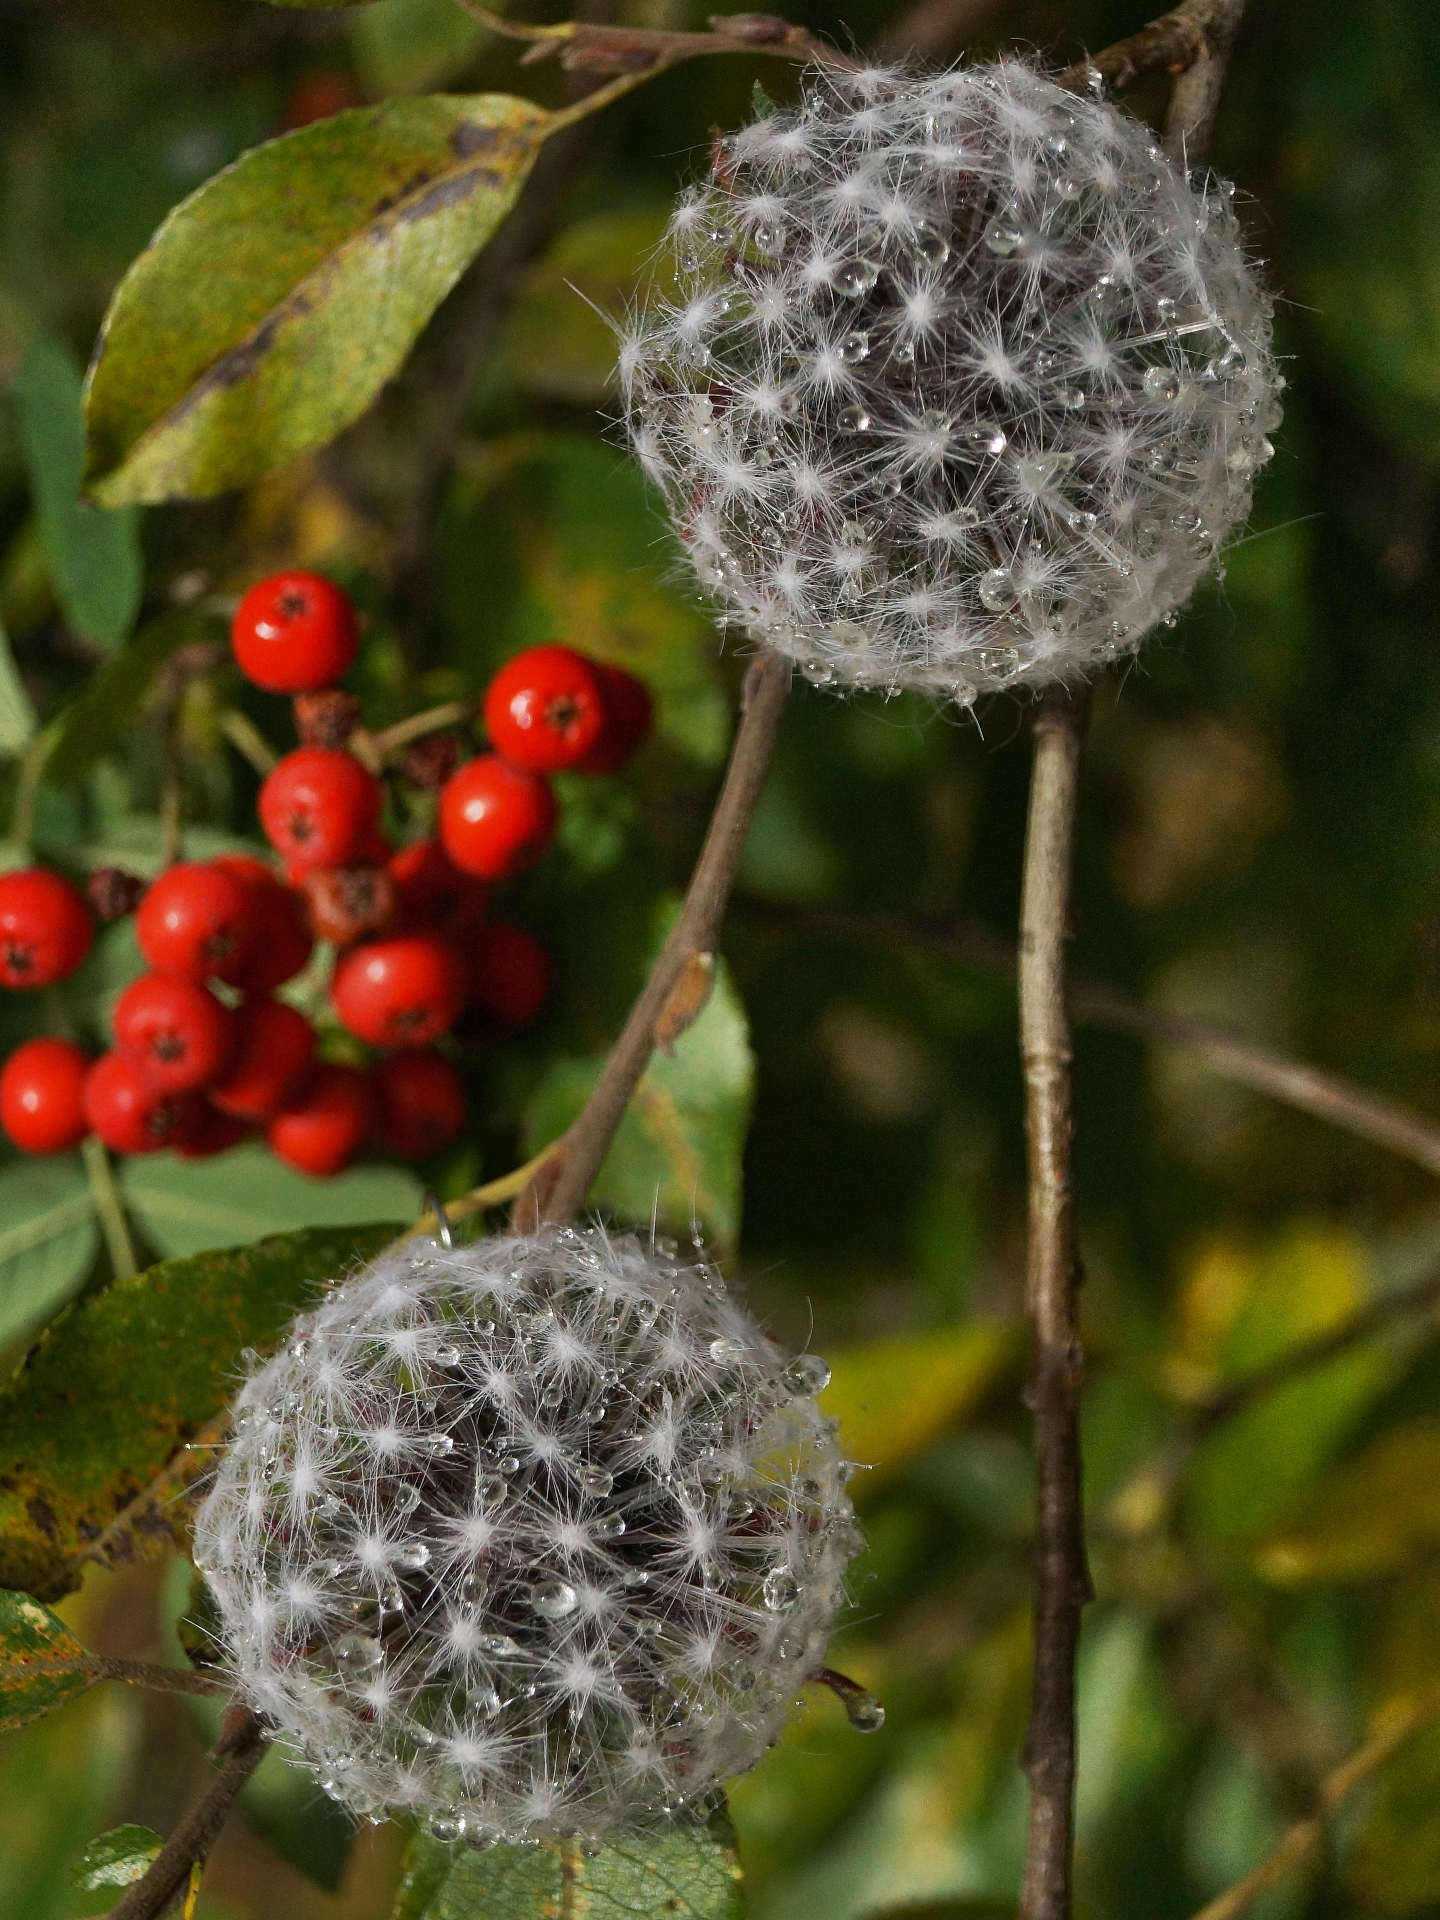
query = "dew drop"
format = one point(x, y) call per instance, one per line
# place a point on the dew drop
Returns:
point(554, 1599)
point(808, 1373)
point(930, 245)
point(855, 277)
point(1003, 237)
point(473, 1589)
point(779, 1589)
point(490, 1487)
point(357, 1653)
point(1162, 383)
point(986, 437)
point(596, 1480)
point(607, 1526)
point(406, 1498)
point(484, 1700)
point(935, 423)
point(997, 590)
point(727, 1347)
point(437, 1445)
point(448, 1827)
point(863, 1711)
point(852, 419)
point(770, 239)
point(412, 1556)
point(855, 347)
point(499, 1646)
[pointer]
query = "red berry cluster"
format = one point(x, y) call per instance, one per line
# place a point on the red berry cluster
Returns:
point(198, 1070)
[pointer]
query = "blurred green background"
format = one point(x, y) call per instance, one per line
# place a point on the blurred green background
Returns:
point(1260, 843)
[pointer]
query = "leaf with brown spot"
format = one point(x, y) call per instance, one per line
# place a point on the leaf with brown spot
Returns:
point(31, 1637)
point(274, 303)
point(120, 1384)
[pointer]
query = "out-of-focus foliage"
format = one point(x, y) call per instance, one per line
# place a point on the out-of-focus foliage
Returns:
point(1260, 843)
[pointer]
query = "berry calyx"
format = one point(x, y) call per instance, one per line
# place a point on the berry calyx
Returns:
point(509, 973)
point(273, 1058)
point(323, 1132)
point(45, 927)
point(344, 904)
point(294, 632)
point(403, 992)
point(176, 1030)
point(326, 719)
point(495, 819)
point(281, 942)
point(129, 1114)
point(195, 921)
point(629, 712)
point(544, 709)
point(419, 1104)
point(42, 1105)
point(320, 808)
point(432, 895)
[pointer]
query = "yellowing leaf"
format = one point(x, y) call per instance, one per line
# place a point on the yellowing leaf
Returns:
point(1372, 1515)
point(31, 1636)
point(894, 1397)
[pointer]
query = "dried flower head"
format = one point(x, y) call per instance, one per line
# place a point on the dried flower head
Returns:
point(964, 384)
point(527, 1538)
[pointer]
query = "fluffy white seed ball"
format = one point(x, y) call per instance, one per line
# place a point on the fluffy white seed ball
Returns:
point(527, 1538)
point(964, 384)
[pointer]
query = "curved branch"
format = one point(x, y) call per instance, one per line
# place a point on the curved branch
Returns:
point(134, 1673)
point(584, 47)
point(243, 1745)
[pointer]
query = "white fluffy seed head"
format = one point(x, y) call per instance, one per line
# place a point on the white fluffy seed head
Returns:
point(528, 1538)
point(963, 386)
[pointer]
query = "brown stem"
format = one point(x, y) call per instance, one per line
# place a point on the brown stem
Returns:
point(192, 1838)
point(1192, 41)
point(1393, 1725)
point(1062, 1581)
point(678, 986)
point(583, 46)
point(134, 1673)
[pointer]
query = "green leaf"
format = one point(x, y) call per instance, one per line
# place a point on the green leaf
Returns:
point(93, 555)
point(556, 343)
point(893, 1398)
point(125, 1379)
point(186, 1206)
point(1371, 1516)
point(18, 723)
point(30, 1633)
point(409, 46)
point(274, 303)
point(681, 1871)
point(96, 723)
point(682, 1138)
point(48, 1240)
point(118, 1858)
point(1364, 179)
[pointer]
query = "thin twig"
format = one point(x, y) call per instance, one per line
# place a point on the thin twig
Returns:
point(192, 1838)
point(392, 740)
point(134, 1673)
point(640, 52)
point(248, 741)
point(1394, 1724)
point(1195, 97)
point(109, 1207)
point(1062, 1581)
point(675, 993)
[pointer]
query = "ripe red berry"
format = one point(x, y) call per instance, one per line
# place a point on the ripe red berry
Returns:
point(203, 1131)
point(629, 711)
point(320, 808)
point(281, 944)
point(42, 1096)
point(509, 973)
point(544, 709)
point(274, 1055)
point(176, 1029)
point(294, 632)
point(419, 1104)
point(195, 920)
point(432, 895)
point(495, 819)
point(129, 1115)
point(323, 1132)
point(45, 927)
point(403, 992)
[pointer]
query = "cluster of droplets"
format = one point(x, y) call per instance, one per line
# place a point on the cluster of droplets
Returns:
point(528, 1538)
point(962, 385)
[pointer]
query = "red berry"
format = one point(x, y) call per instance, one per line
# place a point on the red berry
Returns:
point(629, 711)
point(544, 709)
point(322, 1133)
point(42, 1096)
point(433, 895)
point(282, 942)
point(495, 819)
point(294, 632)
point(320, 808)
point(177, 1030)
point(404, 992)
point(203, 1131)
point(419, 1104)
point(509, 973)
point(195, 920)
point(45, 928)
point(274, 1055)
point(126, 1111)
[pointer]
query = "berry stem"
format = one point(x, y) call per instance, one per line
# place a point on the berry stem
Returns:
point(393, 740)
point(248, 741)
point(109, 1208)
point(559, 1188)
point(191, 1840)
point(1062, 1580)
point(28, 775)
